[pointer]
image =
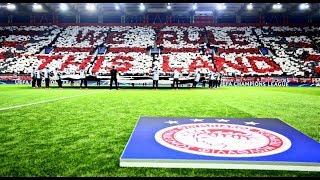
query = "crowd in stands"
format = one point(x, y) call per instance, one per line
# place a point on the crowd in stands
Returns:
point(289, 44)
point(180, 37)
point(81, 37)
point(235, 50)
point(131, 36)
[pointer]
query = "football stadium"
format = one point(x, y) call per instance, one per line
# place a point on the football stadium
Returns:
point(167, 89)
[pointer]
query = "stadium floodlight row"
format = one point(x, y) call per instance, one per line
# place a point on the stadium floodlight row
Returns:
point(142, 6)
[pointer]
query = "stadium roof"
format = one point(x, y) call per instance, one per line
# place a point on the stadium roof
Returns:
point(176, 9)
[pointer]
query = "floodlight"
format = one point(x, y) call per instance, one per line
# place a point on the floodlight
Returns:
point(142, 7)
point(250, 6)
point(64, 6)
point(90, 7)
point(277, 6)
point(36, 6)
point(194, 6)
point(221, 6)
point(11, 6)
point(117, 7)
point(304, 6)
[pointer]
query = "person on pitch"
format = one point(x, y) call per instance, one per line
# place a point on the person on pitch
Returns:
point(215, 79)
point(196, 79)
point(98, 79)
point(114, 73)
point(211, 79)
point(47, 77)
point(155, 77)
point(83, 79)
point(34, 77)
point(203, 80)
point(57, 77)
point(39, 78)
point(219, 79)
point(176, 75)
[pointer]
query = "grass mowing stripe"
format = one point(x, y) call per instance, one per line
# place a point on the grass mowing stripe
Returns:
point(46, 101)
point(24, 96)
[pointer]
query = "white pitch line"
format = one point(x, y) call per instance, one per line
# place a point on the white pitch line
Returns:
point(40, 102)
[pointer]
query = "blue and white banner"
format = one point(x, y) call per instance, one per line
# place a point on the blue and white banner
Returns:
point(230, 143)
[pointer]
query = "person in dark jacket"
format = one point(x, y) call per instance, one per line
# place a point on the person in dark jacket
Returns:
point(34, 77)
point(219, 79)
point(47, 77)
point(211, 79)
point(114, 73)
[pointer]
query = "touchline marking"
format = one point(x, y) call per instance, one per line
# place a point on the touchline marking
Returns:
point(41, 102)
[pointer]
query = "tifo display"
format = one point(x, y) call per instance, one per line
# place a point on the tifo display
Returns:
point(253, 51)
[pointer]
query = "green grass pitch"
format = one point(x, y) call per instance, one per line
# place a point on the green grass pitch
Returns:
point(85, 135)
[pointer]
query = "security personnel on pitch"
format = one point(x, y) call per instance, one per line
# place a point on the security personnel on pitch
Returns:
point(114, 73)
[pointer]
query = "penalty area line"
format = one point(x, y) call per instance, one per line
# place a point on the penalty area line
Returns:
point(46, 101)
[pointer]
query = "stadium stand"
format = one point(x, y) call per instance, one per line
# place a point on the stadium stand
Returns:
point(287, 51)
